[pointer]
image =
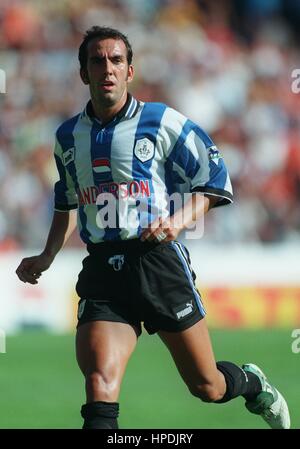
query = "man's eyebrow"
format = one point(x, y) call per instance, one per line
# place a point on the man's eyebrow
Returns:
point(98, 57)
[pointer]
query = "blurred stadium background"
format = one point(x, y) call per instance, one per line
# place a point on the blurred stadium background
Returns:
point(228, 66)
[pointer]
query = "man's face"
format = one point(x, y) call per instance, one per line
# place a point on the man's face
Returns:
point(107, 71)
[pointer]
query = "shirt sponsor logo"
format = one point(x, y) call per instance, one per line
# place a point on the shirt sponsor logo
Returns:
point(123, 190)
point(68, 156)
point(144, 149)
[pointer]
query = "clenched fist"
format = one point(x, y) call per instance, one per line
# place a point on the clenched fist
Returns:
point(31, 268)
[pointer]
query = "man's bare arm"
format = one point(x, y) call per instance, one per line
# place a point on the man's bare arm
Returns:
point(63, 225)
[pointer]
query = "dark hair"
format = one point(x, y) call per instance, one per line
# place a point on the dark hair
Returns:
point(102, 33)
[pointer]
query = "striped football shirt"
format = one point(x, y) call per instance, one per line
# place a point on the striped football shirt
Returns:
point(130, 167)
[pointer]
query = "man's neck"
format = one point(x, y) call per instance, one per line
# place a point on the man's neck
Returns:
point(106, 113)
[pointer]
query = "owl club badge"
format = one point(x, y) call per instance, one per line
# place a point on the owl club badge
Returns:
point(144, 149)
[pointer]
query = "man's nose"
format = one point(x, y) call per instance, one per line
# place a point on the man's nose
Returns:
point(108, 66)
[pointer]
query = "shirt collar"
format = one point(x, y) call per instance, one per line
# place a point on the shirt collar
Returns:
point(128, 111)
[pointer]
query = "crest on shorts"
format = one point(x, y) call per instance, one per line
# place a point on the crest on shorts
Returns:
point(117, 261)
point(81, 308)
point(144, 149)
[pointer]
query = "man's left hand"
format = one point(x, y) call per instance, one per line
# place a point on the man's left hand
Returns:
point(161, 231)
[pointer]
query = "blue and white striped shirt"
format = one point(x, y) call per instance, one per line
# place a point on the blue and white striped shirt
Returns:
point(146, 153)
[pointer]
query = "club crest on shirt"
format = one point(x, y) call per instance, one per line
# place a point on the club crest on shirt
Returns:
point(144, 149)
point(68, 156)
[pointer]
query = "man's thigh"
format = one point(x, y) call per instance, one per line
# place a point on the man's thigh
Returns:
point(193, 354)
point(105, 347)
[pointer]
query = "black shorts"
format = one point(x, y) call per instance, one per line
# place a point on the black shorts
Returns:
point(132, 282)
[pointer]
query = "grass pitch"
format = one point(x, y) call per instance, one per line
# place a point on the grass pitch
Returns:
point(42, 387)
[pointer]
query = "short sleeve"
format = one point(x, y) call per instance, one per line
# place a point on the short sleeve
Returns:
point(65, 196)
point(201, 165)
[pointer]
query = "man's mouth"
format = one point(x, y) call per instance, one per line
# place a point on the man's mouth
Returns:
point(107, 83)
point(107, 86)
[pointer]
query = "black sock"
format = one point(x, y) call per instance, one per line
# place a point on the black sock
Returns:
point(100, 415)
point(254, 387)
point(238, 382)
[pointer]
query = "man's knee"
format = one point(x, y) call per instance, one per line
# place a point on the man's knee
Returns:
point(207, 392)
point(103, 386)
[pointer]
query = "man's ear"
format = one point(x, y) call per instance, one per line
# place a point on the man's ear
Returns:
point(84, 76)
point(130, 74)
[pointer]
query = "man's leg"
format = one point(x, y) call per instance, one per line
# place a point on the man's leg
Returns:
point(103, 349)
point(220, 382)
point(193, 355)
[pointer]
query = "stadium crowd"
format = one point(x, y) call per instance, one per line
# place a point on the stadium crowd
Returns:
point(226, 65)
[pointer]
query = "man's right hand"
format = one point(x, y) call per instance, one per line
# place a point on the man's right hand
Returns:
point(31, 268)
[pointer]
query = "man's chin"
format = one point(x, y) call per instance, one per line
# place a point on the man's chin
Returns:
point(109, 99)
